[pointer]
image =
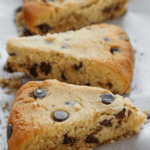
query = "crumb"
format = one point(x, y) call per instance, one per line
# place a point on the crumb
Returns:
point(0, 121)
point(0, 134)
point(147, 112)
point(6, 106)
point(2, 127)
point(8, 92)
point(13, 83)
point(135, 50)
point(0, 55)
point(142, 54)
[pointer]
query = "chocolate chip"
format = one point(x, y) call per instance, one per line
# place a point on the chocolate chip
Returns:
point(77, 67)
point(148, 117)
point(107, 9)
point(88, 84)
point(40, 93)
point(120, 122)
point(63, 77)
point(60, 116)
point(33, 71)
point(106, 123)
point(91, 139)
point(8, 68)
point(12, 54)
point(110, 85)
point(116, 127)
point(9, 131)
point(45, 28)
point(129, 113)
point(26, 32)
point(18, 9)
point(115, 49)
point(107, 99)
point(45, 67)
point(71, 103)
point(121, 114)
point(106, 39)
point(69, 140)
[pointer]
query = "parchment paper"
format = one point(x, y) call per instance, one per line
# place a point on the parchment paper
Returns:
point(136, 22)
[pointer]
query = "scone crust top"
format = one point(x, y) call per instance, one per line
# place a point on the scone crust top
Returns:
point(32, 117)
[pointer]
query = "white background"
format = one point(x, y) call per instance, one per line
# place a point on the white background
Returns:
point(136, 22)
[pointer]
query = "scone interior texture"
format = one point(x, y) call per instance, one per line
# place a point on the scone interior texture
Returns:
point(53, 115)
point(98, 55)
point(55, 16)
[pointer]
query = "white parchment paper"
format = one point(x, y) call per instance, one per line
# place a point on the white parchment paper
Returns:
point(136, 22)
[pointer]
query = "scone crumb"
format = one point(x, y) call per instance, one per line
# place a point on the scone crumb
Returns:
point(8, 92)
point(14, 83)
point(77, 106)
point(6, 106)
point(147, 112)
point(0, 55)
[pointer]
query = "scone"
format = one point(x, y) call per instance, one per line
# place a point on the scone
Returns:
point(53, 16)
point(58, 116)
point(98, 55)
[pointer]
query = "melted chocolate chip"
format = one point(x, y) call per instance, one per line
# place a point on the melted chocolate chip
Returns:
point(129, 113)
point(18, 9)
point(60, 116)
point(88, 84)
point(69, 140)
point(77, 67)
point(40, 93)
point(12, 54)
point(45, 28)
point(106, 123)
point(9, 131)
point(71, 103)
point(63, 77)
point(121, 114)
point(26, 32)
point(91, 139)
point(8, 68)
point(106, 39)
point(110, 85)
point(45, 67)
point(120, 122)
point(116, 49)
point(33, 71)
point(107, 99)
point(107, 9)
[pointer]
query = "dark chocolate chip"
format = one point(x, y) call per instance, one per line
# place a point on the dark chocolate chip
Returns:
point(88, 84)
point(33, 71)
point(110, 85)
point(91, 139)
point(107, 9)
point(107, 99)
point(12, 54)
point(45, 67)
point(106, 39)
point(69, 140)
point(115, 49)
point(116, 127)
point(120, 122)
point(26, 32)
point(106, 123)
point(40, 93)
point(121, 114)
point(60, 116)
point(71, 103)
point(45, 28)
point(9, 131)
point(129, 113)
point(77, 67)
point(8, 68)
point(63, 77)
point(99, 129)
point(18, 9)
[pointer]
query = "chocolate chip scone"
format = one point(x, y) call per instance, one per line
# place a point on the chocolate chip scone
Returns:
point(98, 55)
point(53, 16)
point(58, 116)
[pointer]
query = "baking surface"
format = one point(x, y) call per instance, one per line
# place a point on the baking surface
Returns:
point(136, 22)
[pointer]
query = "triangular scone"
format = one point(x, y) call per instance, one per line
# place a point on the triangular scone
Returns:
point(99, 55)
point(53, 115)
point(53, 16)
